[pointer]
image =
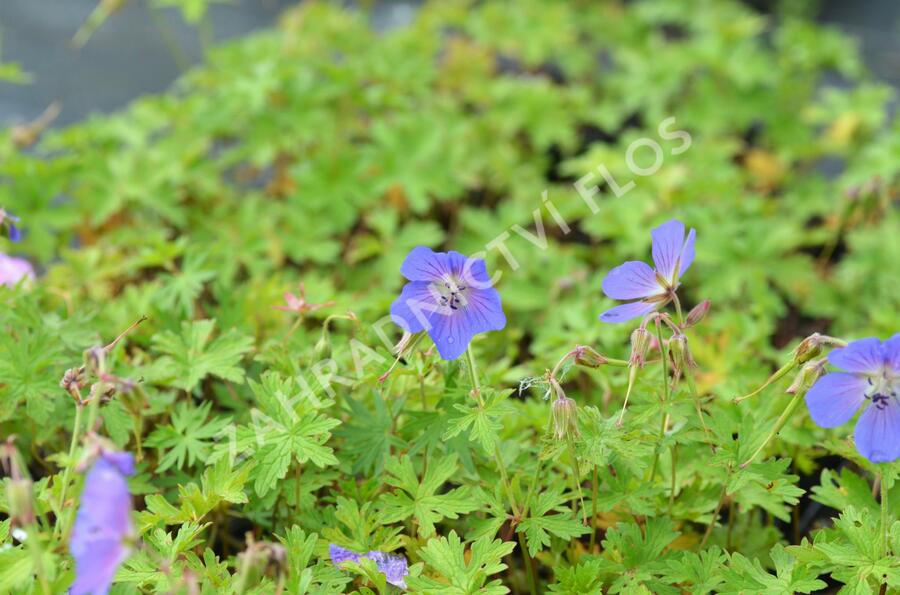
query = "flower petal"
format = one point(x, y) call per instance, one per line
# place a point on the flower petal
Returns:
point(393, 567)
point(877, 433)
point(668, 242)
point(632, 280)
point(687, 253)
point(415, 307)
point(862, 357)
point(835, 398)
point(340, 554)
point(96, 564)
point(483, 311)
point(13, 270)
point(451, 334)
point(890, 349)
point(626, 312)
point(424, 264)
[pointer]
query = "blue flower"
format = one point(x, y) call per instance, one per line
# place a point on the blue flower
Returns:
point(392, 566)
point(103, 525)
point(449, 296)
point(7, 220)
point(872, 374)
point(652, 288)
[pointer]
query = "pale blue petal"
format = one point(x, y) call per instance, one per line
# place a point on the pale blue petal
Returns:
point(835, 398)
point(877, 433)
point(627, 312)
point(668, 242)
point(632, 280)
point(862, 357)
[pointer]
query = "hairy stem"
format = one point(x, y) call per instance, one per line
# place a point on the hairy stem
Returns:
point(785, 415)
point(476, 390)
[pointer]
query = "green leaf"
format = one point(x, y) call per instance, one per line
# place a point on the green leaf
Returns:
point(447, 557)
point(192, 356)
point(421, 500)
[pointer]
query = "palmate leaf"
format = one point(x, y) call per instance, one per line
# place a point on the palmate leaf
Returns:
point(191, 356)
point(188, 437)
point(539, 524)
point(421, 500)
point(447, 557)
point(303, 441)
point(482, 423)
point(746, 576)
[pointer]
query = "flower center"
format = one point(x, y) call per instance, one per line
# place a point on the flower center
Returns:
point(451, 294)
point(883, 389)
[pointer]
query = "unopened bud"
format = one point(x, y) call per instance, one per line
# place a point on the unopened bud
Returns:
point(640, 344)
point(565, 417)
point(809, 348)
point(808, 376)
point(681, 353)
point(20, 498)
point(588, 357)
point(697, 313)
point(323, 345)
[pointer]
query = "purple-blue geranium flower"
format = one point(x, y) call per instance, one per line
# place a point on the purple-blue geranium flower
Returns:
point(8, 221)
point(13, 270)
point(651, 288)
point(872, 373)
point(103, 526)
point(393, 567)
point(449, 296)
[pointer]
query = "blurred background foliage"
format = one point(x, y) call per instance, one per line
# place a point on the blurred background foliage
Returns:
point(322, 151)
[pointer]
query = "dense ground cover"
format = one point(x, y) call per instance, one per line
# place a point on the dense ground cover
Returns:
point(271, 446)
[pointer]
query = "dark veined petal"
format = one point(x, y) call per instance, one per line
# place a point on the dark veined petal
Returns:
point(890, 349)
point(877, 433)
point(473, 273)
point(626, 312)
point(415, 307)
point(835, 398)
point(862, 357)
point(668, 242)
point(424, 264)
point(632, 280)
point(484, 311)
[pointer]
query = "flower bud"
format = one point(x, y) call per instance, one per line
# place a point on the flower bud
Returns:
point(564, 412)
point(20, 498)
point(697, 314)
point(588, 357)
point(681, 354)
point(808, 375)
point(640, 344)
point(809, 348)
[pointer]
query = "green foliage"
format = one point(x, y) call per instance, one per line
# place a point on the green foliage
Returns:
point(319, 153)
